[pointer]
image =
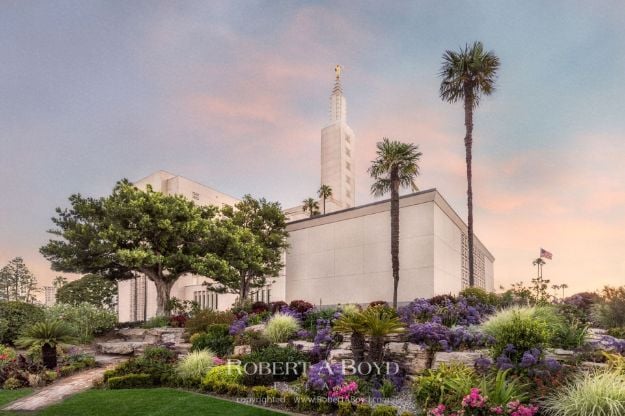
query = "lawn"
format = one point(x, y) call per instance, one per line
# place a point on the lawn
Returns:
point(161, 401)
point(7, 396)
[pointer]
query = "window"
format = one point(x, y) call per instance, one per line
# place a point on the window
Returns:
point(348, 166)
point(195, 195)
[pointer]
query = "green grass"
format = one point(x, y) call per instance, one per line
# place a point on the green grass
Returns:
point(161, 401)
point(8, 396)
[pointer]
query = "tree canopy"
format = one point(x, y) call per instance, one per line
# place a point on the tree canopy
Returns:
point(161, 236)
point(17, 283)
point(262, 247)
point(90, 288)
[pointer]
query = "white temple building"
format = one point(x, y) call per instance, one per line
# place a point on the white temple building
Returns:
point(342, 256)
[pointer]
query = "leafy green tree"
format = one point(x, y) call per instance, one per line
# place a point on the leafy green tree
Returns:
point(58, 282)
point(161, 236)
point(466, 76)
point(396, 165)
point(324, 192)
point(262, 247)
point(17, 282)
point(90, 288)
point(311, 206)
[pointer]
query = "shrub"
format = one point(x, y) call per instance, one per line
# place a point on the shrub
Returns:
point(363, 409)
point(278, 357)
point(203, 319)
point(477, 295)
point(433, 386)
point(216, 339)
point(304, 403)
point(438, 337)
point(16, 316)
point(260, 306)
point(521, 334)
point(617, 332)
point(194, 366)
point(281, 327)
point(12, 383)
point(7, 355)
point(277, 306)
point(158, 321)
point(301, 306)
point(130, 381)
point(344, 408)
point(323, 406)
point(156, 361)
point(290, 399)
point(259, 392)
point(590, 394)
point(228, 373)
point(384, 410)
point(610, 313)
point(87, 319)
point(324, 376)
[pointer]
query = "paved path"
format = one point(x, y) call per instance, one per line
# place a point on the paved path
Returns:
point(60, 390)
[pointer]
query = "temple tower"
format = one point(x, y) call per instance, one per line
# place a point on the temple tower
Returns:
point(337, 150)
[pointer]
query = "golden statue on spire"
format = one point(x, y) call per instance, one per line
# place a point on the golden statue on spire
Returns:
point(337, 70)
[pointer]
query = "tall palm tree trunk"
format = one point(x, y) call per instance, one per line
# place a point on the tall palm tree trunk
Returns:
point(468, 145)
point(324, 205)
point(395, 232)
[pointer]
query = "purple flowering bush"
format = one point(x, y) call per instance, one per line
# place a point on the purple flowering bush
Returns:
point(447, 310)
point(438, 337)
point(324, 376)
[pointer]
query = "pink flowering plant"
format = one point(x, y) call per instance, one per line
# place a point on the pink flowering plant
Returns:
point(476, 404)
point(344, 391)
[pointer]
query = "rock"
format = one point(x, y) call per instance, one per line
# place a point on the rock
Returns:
point(164, 335)
point(132, 334)
point(242, 349)
point(589, 365)
point(396, 347)
point(120, 348)
point(337, 355)
point(465, 357)
point(259, 328)
point(305, 346)
point(560, 354)
point(411, 357)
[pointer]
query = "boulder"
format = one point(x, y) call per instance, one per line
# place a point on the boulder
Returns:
point(242, 350)
point(305, 346)
point(132, 334)
point(120, 347)
point(258, 328)
point(464, 357)
point(337, 355)
point(560, 354)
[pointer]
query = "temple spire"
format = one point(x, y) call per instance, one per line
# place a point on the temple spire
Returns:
point(338, 105)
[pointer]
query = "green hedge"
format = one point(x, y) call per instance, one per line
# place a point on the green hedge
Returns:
point(17, 315)
point(130, 381)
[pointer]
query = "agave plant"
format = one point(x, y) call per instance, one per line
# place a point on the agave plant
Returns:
point(47, 335)
point(378, 322)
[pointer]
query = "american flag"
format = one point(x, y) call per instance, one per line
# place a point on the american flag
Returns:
point(544, 253)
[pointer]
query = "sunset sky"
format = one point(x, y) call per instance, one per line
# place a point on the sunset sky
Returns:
point(234, 94)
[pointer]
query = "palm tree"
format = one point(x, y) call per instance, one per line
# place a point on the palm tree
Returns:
point(47, 335)
point(311, 206)
point(467, 75)
point(396, 165)
point(352, 323)
point(378, 322)
point(324, 192)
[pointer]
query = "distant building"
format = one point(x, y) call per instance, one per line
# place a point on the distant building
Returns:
point(343, 256)
point(50, 295)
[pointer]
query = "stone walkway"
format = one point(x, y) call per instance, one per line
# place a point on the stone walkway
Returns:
point(65, 387)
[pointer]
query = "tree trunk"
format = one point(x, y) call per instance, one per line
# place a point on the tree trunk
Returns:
point(48, 355)
point(376, 349)
point(358, 347)
point(243, 287)
point(163, 290)
point(324, 205)
point(395, 232)
point(468, 144)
